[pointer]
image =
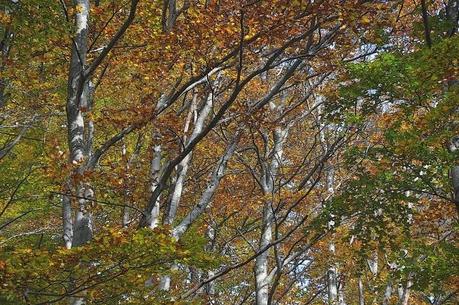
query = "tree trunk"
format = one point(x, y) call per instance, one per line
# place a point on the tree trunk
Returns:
point(67, 216)
point(75, 122)
point(261, 262)
point(332, 279)
point(404, 300)
point(82, 226)
point(5, 50)
point(361, 292)
point(455, 182)
point(452, 13)
point(155, 172)
point(262, 279)
point(387, 293)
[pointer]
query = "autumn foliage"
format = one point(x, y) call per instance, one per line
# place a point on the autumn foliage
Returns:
point(229, 152)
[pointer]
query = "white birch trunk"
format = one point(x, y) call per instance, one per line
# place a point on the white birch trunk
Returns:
point(373, 264)
point(400, 291)
point(178, 189)
point(74, 102)
point(165, 282)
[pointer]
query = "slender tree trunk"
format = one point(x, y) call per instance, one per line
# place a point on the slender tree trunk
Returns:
point(83, 230)
point(400, 291)
point(127, 192)
point(452, 13)
point(361, 292)
point(82, 226)
point(178, 189)
point(67, 216)
point(5, 45)
point(335, 295)
point(373, 264)
point(262, 279)
point(387, 293)
point(155, 172)
point(165, 281)
point(341, 300)
point(209, 288)
point(425, 20)
point(183, 169)
point(261, 262)
point(75, 122)
point(405, 296)
point(332, 278)
point(455, 182)
point(209, 191)
point(184, 164)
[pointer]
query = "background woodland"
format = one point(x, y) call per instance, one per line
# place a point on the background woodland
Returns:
point(229, 152)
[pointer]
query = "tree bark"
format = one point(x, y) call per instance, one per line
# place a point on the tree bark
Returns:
point(405, 297)
point(332, 279)
point(67, 216)
point(209, 192)
point(455, 182)
point(5, 46)
point(155, 173)
point(387, 293)
point(452, 14)
point(262, 279)
point(75, 122)
point(425, 20)
point(361, 292)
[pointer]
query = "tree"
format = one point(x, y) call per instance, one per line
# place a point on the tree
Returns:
point(228, 152)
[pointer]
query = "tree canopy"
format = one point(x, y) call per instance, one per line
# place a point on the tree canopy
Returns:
point(229, 152)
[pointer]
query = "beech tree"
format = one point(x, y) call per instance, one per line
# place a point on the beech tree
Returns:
point(228, 152)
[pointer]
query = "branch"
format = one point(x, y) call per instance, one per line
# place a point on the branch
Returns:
point(8, 147)
point(113, 41)
point(102, 149)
